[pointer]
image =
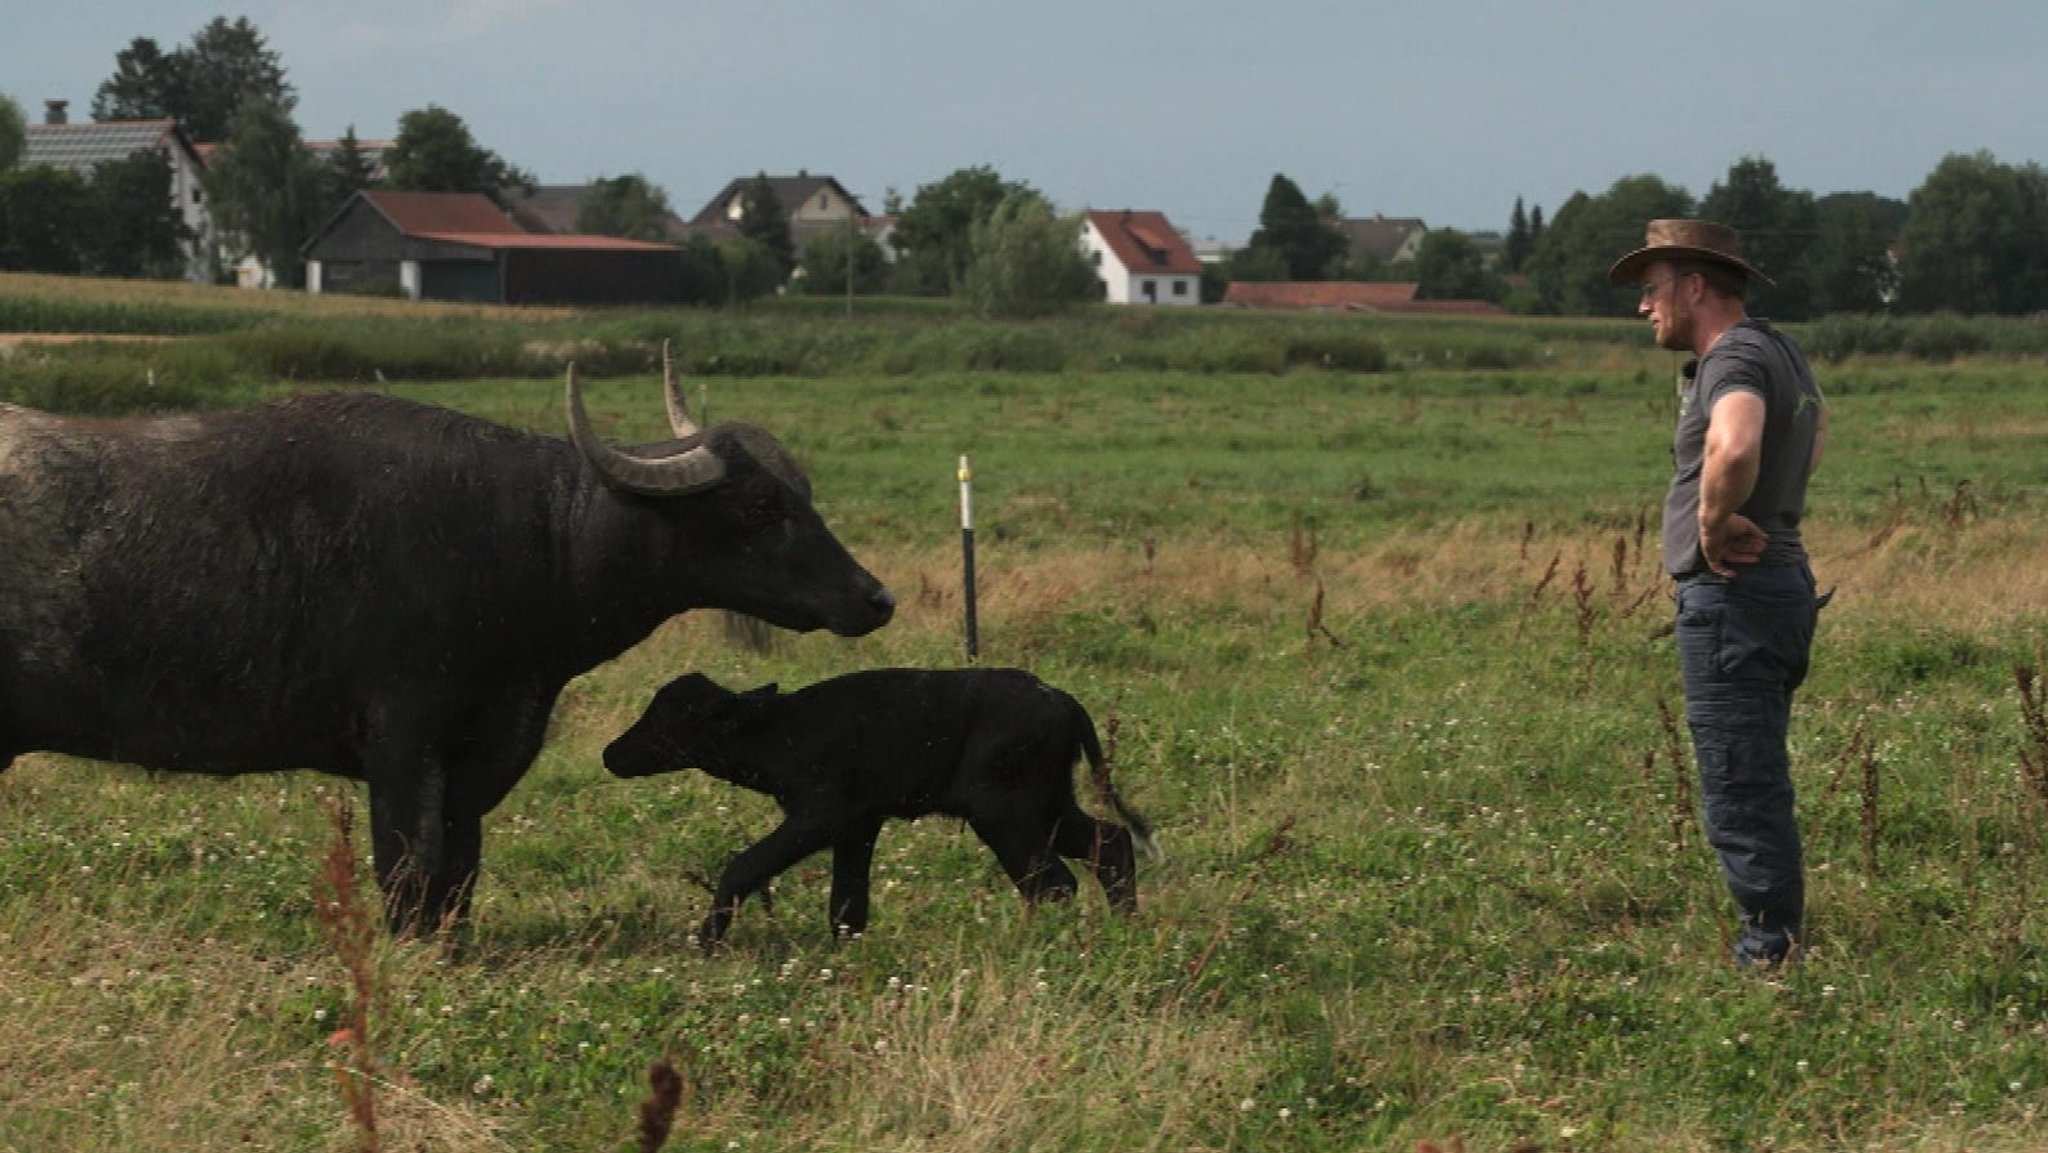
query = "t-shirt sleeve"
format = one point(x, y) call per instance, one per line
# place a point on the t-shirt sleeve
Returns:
point(1722, 375)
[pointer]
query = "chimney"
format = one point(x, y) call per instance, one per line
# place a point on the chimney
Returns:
point(53, 112)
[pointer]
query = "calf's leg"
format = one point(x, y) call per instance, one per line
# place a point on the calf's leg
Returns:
point(755, 866)
point(853, 855)
point(1026, 855)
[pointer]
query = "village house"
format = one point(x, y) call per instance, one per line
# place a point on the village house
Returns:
point(460, 246)
point(814, 204)
point(1386, 239)
point(58, 143)
point(1142, 258)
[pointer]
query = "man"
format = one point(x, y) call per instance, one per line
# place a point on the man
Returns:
point(1751, 424)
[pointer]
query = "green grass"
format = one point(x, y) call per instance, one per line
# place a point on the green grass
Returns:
point(1440, 876)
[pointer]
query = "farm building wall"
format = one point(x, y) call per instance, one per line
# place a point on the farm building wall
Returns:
point(597, 276)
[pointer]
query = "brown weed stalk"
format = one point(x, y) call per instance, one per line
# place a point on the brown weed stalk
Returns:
point(1961, 507)
point(664, 1099)
point(1588, 615)
point(1272, 848)
point(1894, 521)
point(350, 930)
point(2034, 719)
point(1302, 549)
point(1536, 594)
point(1681, 792)
point(1870, 819)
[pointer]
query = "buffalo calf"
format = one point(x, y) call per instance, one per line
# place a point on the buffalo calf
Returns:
point(995, 747)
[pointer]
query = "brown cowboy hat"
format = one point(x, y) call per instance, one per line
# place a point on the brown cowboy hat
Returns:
point(1685, 240)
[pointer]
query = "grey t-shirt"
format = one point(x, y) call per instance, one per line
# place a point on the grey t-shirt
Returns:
point(1752, 357)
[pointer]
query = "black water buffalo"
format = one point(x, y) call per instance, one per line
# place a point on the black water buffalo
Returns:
point(993, 746)
point(378, 589)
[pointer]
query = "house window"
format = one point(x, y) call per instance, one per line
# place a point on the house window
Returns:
point(1151, 290)
point(1180, 288)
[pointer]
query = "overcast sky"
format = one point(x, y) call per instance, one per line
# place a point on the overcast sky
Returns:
point(1443, 109)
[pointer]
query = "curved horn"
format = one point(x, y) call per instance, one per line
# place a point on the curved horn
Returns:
point(686, 472)
point(678, 411)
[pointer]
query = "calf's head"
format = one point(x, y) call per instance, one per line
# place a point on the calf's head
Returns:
point(691, 724)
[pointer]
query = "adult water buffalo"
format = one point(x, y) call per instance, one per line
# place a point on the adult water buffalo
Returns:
point(378, 589)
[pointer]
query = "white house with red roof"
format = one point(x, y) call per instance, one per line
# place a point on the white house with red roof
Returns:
point(1142, 258)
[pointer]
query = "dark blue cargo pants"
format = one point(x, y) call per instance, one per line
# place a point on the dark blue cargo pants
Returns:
point(1743, 647)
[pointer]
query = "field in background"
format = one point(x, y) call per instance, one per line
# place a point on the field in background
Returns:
point(1384, 651)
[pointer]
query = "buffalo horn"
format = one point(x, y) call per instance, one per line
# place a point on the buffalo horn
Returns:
point(678, 410)
point(686, 472)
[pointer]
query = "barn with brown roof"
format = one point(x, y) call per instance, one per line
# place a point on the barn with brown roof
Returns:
point(460, 246)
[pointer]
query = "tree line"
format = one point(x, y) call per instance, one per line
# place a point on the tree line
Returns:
point(1972, 238)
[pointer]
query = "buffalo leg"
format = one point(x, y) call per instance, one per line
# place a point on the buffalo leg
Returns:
point(754, 867)
point(1027, 857)
point(853, 855)
point(1108, 851)
point(408, 863)
point(450, 888)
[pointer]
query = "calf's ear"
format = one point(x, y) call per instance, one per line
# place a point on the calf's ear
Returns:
point(767, 690)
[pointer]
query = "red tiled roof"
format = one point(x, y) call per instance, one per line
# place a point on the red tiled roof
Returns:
point(1351, 296)
point(559, 241)
point(418, 213)
point(1145, 242)
point(1328, 294)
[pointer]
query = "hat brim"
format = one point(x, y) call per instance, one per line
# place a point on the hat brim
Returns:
point(1629, 269)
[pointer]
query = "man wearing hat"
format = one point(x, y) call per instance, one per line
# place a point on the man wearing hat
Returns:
point(1751, 424)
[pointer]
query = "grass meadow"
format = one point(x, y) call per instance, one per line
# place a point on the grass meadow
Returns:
point(1387, 662)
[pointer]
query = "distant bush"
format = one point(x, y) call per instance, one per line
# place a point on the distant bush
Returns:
point(1345, 349)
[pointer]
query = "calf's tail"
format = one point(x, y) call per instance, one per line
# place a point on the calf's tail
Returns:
point(1098, 771)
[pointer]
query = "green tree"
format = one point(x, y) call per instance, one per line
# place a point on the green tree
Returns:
point(750, 269)
point(267, 193)
point(933, 232)
point(1976, 238)
point(1309, 246)
point(1451, 267)
point(349, 169)
point(42, 213)
point(434, 152)
point(133, 226)
point(1258, 265)
point(201, 85)
point(1028, 261)
point(1514, 252)
point(13, 132)
point(1778, 227)
point(704, 278)
point(825, 267)
point(765, 221)
point(1568, 266)
point(1851, 253)
point(625, 206)
point(146, 84)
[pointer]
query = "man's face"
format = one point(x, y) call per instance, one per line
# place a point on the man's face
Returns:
point(1667, 301)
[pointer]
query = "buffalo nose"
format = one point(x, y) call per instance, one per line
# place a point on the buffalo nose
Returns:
point(882, 602)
